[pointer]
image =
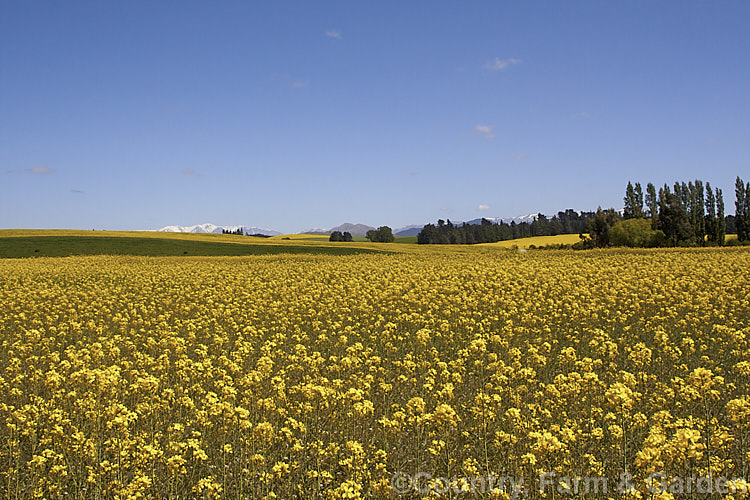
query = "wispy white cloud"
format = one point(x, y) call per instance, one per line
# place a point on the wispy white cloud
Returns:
point(486, 131)
point(35, 170)
point(39, 170)
point(334, 34)
point(519, 157)
point(187, 171)
point(498, 64)
point(483, 208)
point(290, 81)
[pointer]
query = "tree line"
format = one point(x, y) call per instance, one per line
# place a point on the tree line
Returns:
point(383, 234)
point(445, 232)
point(339, 236)
point(241, 232)
point(686, 214)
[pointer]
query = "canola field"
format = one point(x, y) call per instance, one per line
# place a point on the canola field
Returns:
point(320, 376)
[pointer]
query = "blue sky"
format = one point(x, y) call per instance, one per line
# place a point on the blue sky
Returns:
point(291, 115)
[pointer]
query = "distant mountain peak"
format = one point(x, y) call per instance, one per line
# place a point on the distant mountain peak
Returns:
point(414, 229)
point(410, 230)
point(354, 229)
point(517, 219)
point(213, 228)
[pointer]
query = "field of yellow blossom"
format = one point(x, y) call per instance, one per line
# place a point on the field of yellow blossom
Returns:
point(322, 376)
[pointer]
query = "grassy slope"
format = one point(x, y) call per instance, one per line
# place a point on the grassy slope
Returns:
point(318, 237)
point(560, 239)
point(406, 239)
point(61, 242)
point(536, 240)
point(302, 237)
point(53, 243)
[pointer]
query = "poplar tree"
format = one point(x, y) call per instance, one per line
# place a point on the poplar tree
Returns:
point(652, 202)
point(710, 217)
point(721, 222)
point(638, 200)
point(633, 201)
point(629, 199)
point(697, 211)
point(741, 209)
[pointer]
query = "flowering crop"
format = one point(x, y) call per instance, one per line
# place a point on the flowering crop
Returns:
point(321, 376)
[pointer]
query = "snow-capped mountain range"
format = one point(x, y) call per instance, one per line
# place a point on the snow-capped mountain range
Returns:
point(355, 229)
point(213, 228)
point(518, 219)
point(414, 229)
